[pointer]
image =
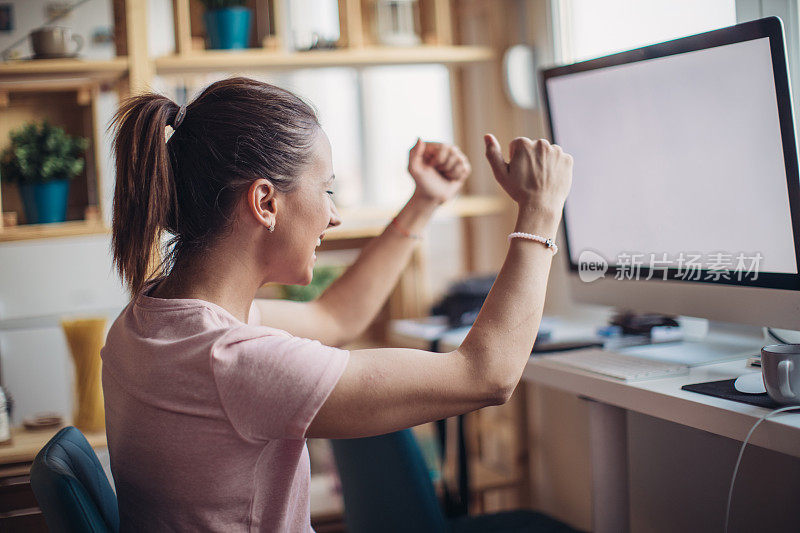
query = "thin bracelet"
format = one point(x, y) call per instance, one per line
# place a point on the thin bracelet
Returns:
point(404, 232)
point(550, 243)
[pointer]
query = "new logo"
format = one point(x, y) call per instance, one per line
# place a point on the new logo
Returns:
point(591, 266)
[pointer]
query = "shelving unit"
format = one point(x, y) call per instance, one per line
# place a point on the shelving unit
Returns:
point(255, 59)
point(133, 70)
point(70, 102)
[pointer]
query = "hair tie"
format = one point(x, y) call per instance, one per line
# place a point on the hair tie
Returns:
point(179, 117)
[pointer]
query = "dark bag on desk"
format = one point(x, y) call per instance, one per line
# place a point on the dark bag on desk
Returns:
point(464, 299)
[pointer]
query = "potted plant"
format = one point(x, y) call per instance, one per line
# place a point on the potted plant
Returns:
point(41, 160)
point(227, 24)
point(323, 276)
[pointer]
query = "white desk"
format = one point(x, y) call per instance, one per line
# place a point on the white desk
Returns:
point(610, 402)
point(663, 399)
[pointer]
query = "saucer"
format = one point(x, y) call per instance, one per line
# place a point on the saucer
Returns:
point(54, 56)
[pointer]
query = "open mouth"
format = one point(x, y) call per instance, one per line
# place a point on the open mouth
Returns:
point(319, 243)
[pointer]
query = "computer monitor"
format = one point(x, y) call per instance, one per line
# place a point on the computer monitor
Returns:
point(684, 149)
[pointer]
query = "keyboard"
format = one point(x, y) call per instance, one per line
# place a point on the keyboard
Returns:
point(615, 365)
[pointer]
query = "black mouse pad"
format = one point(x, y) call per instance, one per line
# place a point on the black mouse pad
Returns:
point(724, 389)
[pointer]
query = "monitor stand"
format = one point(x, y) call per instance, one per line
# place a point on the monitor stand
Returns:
point(722, 342)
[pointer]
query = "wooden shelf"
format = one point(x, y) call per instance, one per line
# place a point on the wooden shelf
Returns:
point(349, 234)
point(217, 60)
point(102, 70)
point(359, 223)
point(47, 85)
point(462, 206)
point(366, 222)
point(49, 231)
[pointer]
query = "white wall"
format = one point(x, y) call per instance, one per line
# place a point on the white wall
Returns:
point(42, 281)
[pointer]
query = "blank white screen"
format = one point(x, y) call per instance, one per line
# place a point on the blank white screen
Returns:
point(677, 154)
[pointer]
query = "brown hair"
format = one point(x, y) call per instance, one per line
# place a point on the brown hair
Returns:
point(236, 131)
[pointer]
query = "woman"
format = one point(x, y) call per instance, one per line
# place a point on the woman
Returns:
point(209, 394)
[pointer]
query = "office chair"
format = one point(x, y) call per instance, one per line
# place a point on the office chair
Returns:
point(387, 487)
point(71, 487)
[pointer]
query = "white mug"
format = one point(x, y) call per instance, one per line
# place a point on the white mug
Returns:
point(780, 366)
point(54, 41)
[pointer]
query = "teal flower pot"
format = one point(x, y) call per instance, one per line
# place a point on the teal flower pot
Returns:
point(228, 28)
point(45, 202)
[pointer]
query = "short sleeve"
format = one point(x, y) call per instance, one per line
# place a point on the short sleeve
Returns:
point(254, 316)
point(272, 384)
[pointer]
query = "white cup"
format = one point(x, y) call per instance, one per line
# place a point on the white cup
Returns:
point(780, 366)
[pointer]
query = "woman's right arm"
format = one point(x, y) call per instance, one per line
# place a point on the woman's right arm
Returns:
point(384, 390)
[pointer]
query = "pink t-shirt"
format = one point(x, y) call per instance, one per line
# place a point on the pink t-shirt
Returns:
point(206, 417)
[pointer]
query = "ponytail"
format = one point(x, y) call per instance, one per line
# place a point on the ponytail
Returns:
point(144, 197)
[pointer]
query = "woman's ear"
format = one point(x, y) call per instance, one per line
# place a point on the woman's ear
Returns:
point(262, 202)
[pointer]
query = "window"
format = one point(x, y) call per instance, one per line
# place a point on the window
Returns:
point(400, 104)
point(594, 28)
point(372, 117)
point(333, 94)
point(585, 29)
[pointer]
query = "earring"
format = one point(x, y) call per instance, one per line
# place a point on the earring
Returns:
point(271, 227)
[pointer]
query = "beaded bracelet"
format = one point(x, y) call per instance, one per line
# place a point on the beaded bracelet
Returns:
point(550, 243)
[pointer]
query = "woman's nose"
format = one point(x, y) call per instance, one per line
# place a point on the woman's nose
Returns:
point(335, 220)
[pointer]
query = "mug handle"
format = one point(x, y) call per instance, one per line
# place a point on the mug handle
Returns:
point(784, 367)
point(79, 41)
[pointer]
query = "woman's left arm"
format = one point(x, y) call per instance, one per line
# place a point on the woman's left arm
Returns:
point(350, 304)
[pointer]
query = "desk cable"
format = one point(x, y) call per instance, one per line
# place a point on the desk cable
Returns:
point(741, 452)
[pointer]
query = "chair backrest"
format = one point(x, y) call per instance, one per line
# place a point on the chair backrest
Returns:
point(387, 486)
point(71, 486)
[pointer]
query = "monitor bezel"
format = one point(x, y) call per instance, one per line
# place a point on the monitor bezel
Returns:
point(771, 28)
